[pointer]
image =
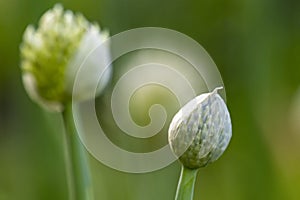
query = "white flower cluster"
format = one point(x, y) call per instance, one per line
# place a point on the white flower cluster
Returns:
point(52, 54)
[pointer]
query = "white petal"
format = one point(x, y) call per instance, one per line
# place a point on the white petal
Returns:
point(30, 86)
point(29, 34)
point(92, 60)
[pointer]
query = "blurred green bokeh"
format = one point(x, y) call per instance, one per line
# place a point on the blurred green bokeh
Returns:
point(255, 45)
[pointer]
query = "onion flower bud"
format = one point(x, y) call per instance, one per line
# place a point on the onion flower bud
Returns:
point(201, 130)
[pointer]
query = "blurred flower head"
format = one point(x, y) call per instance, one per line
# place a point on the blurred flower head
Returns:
point(200, 132)
point(52, 54)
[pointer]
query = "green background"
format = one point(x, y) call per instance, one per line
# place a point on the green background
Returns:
point(255, 45)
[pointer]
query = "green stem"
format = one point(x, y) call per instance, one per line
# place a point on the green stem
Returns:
point(77, 169)
point(185, 189)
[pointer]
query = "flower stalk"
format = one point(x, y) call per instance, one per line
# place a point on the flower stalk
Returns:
point(186, 184)
point(77, 169)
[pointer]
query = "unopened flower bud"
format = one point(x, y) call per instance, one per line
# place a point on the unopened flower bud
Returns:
point(200, 132)
point(52, 53)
